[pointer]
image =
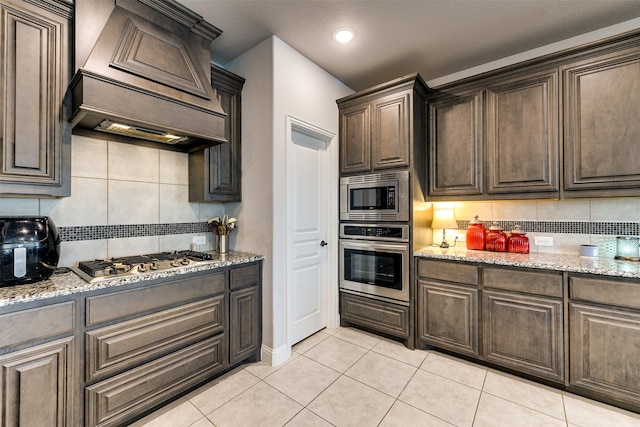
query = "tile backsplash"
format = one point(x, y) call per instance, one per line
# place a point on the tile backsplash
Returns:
point(570, 223)
point(125, 200)
point(128, 199)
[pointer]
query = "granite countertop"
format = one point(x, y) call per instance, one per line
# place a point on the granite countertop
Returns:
point(547, 261)
point(70, 283)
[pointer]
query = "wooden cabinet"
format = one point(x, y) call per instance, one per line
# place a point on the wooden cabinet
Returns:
point(604, 339)
point(149, 343)
point(215, 173)
point(602, 130)
point(456, 141)
point(563, 126)
point(448, 313)
point(245, 314)
point(523, 321)
point(379, 126)
point(35, 138)
point(509, 317)
point(496, 138)
point(38, 361)
point(386, 317)
point(522, 138)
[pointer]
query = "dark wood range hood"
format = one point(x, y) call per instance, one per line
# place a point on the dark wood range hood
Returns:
point(144, 75)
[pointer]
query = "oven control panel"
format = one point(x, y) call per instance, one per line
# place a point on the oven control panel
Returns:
point(393, 232)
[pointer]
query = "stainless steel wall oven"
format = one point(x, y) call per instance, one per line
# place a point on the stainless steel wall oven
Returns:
point(374, 260)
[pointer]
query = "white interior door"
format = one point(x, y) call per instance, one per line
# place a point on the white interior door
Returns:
point(308, 252)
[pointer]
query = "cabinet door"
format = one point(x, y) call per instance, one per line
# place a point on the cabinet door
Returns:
point(355, 138)
point(215, 172)
point(37, 385)
point(602, 130)
point(391, 131)
point(244, 324)
point(455, 145)
point(524, 333)
point(604, 352)
point(448, 316)
point(35, 138)
point(522, 144)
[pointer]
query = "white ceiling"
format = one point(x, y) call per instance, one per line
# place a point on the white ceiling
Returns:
point(398, 37)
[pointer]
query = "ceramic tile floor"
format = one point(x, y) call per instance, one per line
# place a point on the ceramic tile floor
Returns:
point(346, 377)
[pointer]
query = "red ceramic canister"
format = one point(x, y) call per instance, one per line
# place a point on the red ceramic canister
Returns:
point(496, 239)
point(518, 242)
point(476, 234)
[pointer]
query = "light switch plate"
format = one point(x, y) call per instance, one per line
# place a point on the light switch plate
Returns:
point(199, 240)
point(544, 241)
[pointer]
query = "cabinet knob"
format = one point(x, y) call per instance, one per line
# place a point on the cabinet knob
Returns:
point(323, 243)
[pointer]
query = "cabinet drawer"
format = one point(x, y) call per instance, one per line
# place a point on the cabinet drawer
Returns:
point(127, 344)
point(116, 305)
point(520, 280)
point(245, 276)
point(379, 315)
point(37, 323)
point(117, 400)
point(613, 292)
point(448, 271)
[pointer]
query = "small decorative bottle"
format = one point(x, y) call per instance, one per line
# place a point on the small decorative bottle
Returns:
point(476, 234)
point(496, 239)
point(518, 241)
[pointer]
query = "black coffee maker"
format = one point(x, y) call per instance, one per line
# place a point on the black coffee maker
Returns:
point(30, 249)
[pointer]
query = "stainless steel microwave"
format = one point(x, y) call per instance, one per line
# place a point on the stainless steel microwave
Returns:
point(375, 197)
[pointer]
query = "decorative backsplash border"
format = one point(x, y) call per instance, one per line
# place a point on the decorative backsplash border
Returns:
point(99, 232)
point(566, 227)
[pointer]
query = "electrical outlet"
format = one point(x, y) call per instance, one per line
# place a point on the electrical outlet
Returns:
point(461, 237)
point(199, 240)
point(544, 241)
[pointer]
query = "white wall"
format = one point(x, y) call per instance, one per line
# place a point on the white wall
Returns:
point(280, 82)
point(592, 36)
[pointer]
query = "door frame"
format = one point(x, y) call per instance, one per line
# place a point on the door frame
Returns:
point(331, 217)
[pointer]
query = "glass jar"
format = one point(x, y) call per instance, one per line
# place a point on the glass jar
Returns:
point(496, 239)
point(518, 242)
point(476, 234)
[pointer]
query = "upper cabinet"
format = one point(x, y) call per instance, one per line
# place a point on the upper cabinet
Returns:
point(215, 172)
point(496, 138)
point(561, 126)
point(602, 130)
point(378, 126)
point(35, 143)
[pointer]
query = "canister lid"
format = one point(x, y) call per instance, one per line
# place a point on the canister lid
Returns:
point(495, 227)
point(517, 230)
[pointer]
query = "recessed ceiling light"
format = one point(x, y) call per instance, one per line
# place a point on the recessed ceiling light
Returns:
point(343, 36)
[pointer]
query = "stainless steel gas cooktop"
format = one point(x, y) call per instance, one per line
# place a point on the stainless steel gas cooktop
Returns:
point(96, 270)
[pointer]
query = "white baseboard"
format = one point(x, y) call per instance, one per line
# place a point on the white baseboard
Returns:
point(275, 357)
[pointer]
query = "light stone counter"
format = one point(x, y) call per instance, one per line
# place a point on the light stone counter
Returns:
point(69, 283)
point(547, 261)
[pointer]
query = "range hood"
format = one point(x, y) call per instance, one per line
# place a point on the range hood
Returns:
point(144, 75)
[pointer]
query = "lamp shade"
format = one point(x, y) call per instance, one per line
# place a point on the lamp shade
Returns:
point(444, 219)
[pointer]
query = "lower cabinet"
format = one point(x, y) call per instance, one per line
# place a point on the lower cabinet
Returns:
point(150, 343)
point(505, 316)
point(523, 321)
point(244, 326)
point(448, 317)
point(524, 333)
point(604, 319)
point(116, 400)
point(38, 362)
point(386, 317)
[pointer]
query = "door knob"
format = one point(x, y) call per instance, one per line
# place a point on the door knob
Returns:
point(323, 243)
